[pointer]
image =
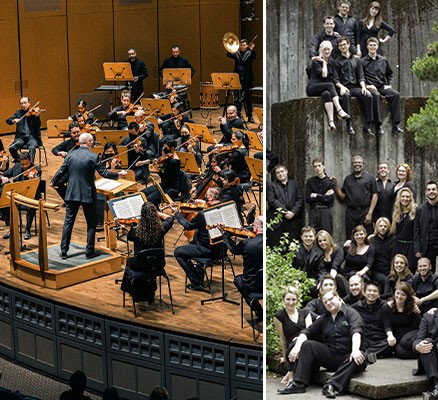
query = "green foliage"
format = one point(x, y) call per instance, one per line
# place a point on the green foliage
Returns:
point(279, 275)
point(425, 123)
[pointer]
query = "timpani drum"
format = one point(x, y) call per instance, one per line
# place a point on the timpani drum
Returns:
point(209, 97)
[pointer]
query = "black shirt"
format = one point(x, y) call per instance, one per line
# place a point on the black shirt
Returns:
point(349, 71)
point(320, 187)
point(372, 314)
point(319, 38)
point(197, 223)
point(176, 62)
point(377, 72)
point(385, 199)
point(382, 253)
point(359, 190)
point(66, 146)
point(424, 288)
point(348, 27)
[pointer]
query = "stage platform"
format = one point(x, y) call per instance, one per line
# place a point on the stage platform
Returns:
point(200, 351)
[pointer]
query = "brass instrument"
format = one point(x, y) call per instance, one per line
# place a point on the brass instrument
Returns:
point(231, 42)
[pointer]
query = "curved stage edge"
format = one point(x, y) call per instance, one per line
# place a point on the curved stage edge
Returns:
point(57, 339)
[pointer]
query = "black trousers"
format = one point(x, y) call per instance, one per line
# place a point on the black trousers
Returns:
point(245, 291)
point(71, 210)
point(431, 254)
point(354, 217)
point(315, 354)
point(31, 144)
point(321, 218)
point(430, 362)
point(366, 103)
point(184, 255)
point(246, 99)
point(394, 101)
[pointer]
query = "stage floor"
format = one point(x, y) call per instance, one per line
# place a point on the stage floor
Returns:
point(216, 320)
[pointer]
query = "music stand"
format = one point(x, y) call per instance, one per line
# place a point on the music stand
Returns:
point(203, 134)
point(177, 75)
point(188, 163)
point(103, 137)
point(162, 106)
point(226, 214)
point(57, 127)
point(258, 111)
point(117, 71)
point(254, 139)
point(256, 168)
point(226, 81)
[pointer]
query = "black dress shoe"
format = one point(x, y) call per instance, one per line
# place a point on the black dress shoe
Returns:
point(7, 235)
point(198, 287)
point(380, 130)
point(397, 129)
point(368, 132)
point(351, 131)
point(92, 254)
point(63, 255)
point(293, 387)
point(27, 235)
point(251, 120)
point(329, 391)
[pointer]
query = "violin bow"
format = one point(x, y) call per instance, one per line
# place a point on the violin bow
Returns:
point(28, 111)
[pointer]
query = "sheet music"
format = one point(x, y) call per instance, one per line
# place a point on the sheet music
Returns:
point(230, 216)
point(107, 184)
point(128, 207)
point(226, 215)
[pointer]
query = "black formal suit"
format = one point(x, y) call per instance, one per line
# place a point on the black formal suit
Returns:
point(288, 198)
point(227, 129)
point(243, 66)
point(27, 133)
point(311, 262)
point(139, 70)
point(428, 331)
point(78, 170)
point(176, 62)
point(425, 231)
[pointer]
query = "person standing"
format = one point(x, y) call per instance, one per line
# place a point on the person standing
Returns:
point(426, 226)
point(327, 34)
point(285, 194)
point(139, 72)
point(320, 194)
point(346, 25)
point(243, 59)
point(79, 170)
point(28, 133)
point(378, 78)
point(176, 61)
point(360, 192)
point(385, 192)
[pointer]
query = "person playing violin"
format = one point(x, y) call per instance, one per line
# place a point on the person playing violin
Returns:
point(23, 170)
point(148, 234)
point(229, 182)
point(200, 247)
point(169, 93)
point(138, 151)
point(83, 111)
point(86, 127)
point(171, 124)
point(28, 132)
point(169, 172)
point(109, 158)
point(190, 145)
point(252, 251)
point(118, 114)
point(237, 160)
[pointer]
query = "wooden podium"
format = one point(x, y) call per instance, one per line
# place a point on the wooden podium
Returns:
point(110, 188)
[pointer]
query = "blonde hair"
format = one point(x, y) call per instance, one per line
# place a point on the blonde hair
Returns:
point(291, 290)
point(397, 214)
point(404, 274)
point(325, 44)
point(379, 220)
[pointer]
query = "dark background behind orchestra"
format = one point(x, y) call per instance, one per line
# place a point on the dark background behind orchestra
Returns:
point(54, 49)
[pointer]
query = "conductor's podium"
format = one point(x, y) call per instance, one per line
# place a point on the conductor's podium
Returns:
point(61, 273)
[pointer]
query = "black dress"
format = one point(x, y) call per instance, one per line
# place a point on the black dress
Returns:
point(365, 33)
point(355, 263)
point(404, 241)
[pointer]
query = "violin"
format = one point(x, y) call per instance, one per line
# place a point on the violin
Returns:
point(123, 221)
point(3, 155)
point(192, 207)
point(164, 158)
point(234, 231)
point(29, 171)
point(224, 149)
point(35, 111)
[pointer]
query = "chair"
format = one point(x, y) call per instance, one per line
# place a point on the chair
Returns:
point(39, 149)
point(146, 266)
point(254, 296)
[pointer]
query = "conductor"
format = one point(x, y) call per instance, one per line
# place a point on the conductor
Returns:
point(78, 170)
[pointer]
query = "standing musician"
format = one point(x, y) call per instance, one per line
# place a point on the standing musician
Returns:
point(252, 251)
point(118, 114)
point(138, 151)
point(243, 59)
point(200, 246)
point(169, 172)
point(170, 124)
point(28, 133)
point(62, 149)
point(176, 61)
point(190, 145)
point(22, 171)
point(148, 234)
point(83, 111)
point(79, 170)
point(139, 72)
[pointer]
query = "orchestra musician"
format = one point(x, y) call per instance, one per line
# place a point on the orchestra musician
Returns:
point(200, 246)
point(171, 124)
point(139, 72)
point(118, 114)
point(27, 125)
point(138, 151)
point(169, 93)
point(148, 234)
point(176, 61)
point(83, 111)
point(190, 145)
point(18, 174)
point(62, 149)
point(252, 251)
point(86, 127)
point(169, 172)
point(209, 178)
point(230, 192)
point(237, 160)
point(109, 158)
point(79, 170)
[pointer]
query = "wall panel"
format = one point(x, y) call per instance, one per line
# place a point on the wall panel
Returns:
point(136, 26)
point(90, 44)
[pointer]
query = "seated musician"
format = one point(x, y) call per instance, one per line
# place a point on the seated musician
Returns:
point(169, 93)
point(118, 114)
point(200, 246)
point(83, 111)
point(227, 124)
point(230, 192)
point(170, 124)
point(252, 251)
point(209, 178)
point(136, 152)
point(237, 161)
point(86, 127)
point(28, 132)
point(169, 170)
point(190, 145)
point(17, 174)
point(148, 234)
point(109, 156)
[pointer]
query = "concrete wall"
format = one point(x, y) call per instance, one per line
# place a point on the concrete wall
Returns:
point(292, 23)
point(300, 133)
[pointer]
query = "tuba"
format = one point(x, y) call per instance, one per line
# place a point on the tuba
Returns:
point(231, 42)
